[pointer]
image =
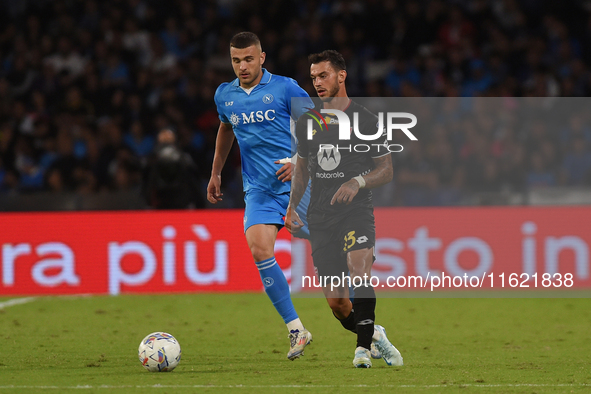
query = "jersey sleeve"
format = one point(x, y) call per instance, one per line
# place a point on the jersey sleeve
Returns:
point(219, 102)
point(302, 104)
point(381, 147)
point(301, 136)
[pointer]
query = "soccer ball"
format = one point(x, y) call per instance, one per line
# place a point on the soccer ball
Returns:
point(159, 352)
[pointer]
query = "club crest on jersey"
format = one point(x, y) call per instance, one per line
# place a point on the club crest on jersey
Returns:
point(268, 98)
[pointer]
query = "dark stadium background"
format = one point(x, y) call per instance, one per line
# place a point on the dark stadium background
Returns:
point(86, 85)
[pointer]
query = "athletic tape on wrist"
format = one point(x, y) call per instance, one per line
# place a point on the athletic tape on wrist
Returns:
point(360, 180)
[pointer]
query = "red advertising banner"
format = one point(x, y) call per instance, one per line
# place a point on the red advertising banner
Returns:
point(126, 252)
point(525, 248)
point(205, 251)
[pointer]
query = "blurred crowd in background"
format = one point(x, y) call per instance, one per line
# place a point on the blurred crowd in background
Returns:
point(86, 85)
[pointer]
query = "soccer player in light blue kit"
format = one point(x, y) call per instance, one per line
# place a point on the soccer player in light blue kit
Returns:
point(256, 110)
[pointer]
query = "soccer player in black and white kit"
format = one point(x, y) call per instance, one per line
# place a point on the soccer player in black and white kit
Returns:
point(340, 214)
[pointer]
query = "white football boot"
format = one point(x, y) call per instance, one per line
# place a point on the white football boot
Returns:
point(362, 358)
point(375, 353)
point(298, 341)
point(390, 354)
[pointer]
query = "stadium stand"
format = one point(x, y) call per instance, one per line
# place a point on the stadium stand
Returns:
point(86, 85)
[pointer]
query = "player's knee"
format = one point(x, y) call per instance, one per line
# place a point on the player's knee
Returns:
point(341, 307)
point(260, 253)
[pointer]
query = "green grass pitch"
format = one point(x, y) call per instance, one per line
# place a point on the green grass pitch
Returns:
point(236, 343)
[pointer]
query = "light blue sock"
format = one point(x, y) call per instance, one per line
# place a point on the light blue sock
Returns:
point(277, 288)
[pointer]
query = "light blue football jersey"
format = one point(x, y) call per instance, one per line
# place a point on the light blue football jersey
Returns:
point(262, 122)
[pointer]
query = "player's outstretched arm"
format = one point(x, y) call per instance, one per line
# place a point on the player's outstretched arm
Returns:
point(299, 182)
point(380, 175)
point(223, 144)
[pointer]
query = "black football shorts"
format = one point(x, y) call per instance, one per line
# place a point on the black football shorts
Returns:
point(331, 243)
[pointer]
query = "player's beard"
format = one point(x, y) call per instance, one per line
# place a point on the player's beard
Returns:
point(331, 93)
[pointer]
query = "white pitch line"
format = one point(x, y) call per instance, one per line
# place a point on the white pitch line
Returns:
point(16, 301)
point(24, 300)
point(243, 386)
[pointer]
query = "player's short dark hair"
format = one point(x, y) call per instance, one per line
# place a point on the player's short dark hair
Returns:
point(244, 40)
point(330, 55)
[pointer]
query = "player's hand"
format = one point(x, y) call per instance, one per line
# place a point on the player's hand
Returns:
point(213, 189)
point(293, 223)
point(284, 173)
point(346, 192)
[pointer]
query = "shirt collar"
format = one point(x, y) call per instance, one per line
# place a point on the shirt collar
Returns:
point(264, 79)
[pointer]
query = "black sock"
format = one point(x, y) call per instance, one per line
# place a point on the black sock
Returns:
point(348, 322)
point(365, 308)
